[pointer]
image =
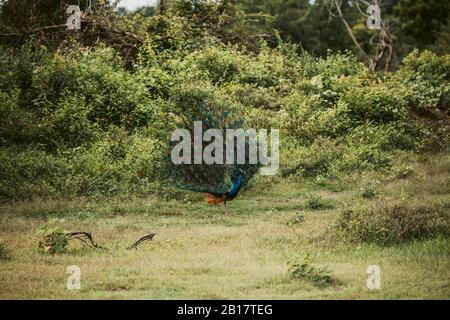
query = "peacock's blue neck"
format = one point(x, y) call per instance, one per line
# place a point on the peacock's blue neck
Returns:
point(236, 187)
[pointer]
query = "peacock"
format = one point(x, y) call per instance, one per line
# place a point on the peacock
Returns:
point(220, 183)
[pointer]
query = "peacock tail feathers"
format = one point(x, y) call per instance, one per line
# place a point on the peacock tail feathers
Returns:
point(214, 179)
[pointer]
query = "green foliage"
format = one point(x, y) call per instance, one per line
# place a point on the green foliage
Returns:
point(300, 268)
point(370, 190)
point(5, 253)
point(29, 173)
point(84, 122)
point(117, 163)
point(300, 21)
point(316, 202)
point(53, 242)
point(422, 20)
point(97, 77)
point(393, 223)
point(215, 64)
point(425, 77)
point(297, 218)
point(318, 159)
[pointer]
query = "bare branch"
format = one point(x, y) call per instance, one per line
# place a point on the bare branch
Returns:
point(84, 237)
point(383, 40)
point(338, 4)
point(360, 11)
point(144, 238)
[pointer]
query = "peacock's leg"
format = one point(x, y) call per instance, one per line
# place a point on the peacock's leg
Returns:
point(225, 204)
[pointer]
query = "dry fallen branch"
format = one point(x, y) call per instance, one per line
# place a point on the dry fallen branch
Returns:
point(144, 238)
point(84, 237)
point(57, 241)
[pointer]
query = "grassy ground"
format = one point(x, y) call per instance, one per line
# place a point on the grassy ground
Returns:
point(201, 252)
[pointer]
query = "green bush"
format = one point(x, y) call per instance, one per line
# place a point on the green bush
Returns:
point(388, 137)
point(68, 125)
point(5, 253)
point(318, 159)
point(110, 95)
point(370, 190)
point(365, 157)
point(316, 202)
point(82, 122)
point(53, 242)
point(30, 173)
point(277, 68)
point(425, 77)
point(118, 163)
point(218, 65)
point(373, 103)
point(255, 98)
point(300, 268)
point(392, 223)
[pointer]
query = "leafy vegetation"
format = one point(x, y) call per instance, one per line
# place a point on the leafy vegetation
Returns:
point(5, 253)
point(53, 242)
point(84, 125)
point(393, 223)
point(302, 269)
point(315, 202)
point(297, 218)
point(85, 122)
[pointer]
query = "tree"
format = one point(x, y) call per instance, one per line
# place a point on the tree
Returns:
point(303, 22)
point(422, 20)
point(45, 20)
point(379, 45)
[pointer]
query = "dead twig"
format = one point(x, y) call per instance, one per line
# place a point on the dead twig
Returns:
point(144, 238)
point(84, 237)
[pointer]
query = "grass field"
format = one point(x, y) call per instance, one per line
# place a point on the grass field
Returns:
point(201, 252)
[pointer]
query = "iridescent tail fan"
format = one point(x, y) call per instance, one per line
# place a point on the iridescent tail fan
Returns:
point(220, 182)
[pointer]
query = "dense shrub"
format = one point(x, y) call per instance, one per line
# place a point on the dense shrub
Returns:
point(392, 223)
point(426, 81)
point(80, 122)
point(117, 163)
point(218, 65)
point(98, 78)
point(30, 173)
point(318, 159)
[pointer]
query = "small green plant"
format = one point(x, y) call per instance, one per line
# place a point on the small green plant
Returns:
point(5, 254)
point(301, 268)
point(297, 218)
point(56, 241)
point(404, 172)
point(369, 191)
point(53, 242)
point(316, 202)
